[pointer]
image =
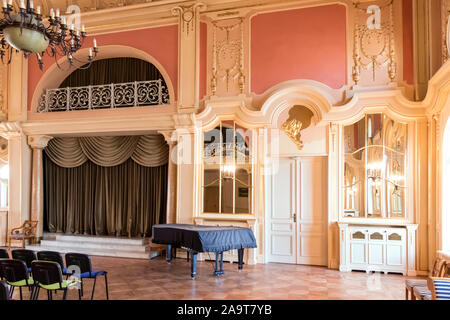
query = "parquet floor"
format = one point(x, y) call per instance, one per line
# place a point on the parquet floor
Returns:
point(156, 279)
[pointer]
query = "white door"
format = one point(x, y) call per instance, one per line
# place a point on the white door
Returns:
point(297, 226)
point(312, 198)
point(282, 230)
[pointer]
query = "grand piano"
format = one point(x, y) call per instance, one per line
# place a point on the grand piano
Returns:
point(200, 238)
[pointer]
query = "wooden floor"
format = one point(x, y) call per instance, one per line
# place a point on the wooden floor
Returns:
point(157, 279)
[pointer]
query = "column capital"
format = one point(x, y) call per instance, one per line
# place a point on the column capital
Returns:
point(188, 16)
point(39, 141)
point(10, 129)
point(170, 136)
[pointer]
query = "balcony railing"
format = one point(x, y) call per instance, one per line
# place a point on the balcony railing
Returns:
point(115, 95)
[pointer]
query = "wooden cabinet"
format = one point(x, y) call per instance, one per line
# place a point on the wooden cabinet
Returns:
point(371, 248)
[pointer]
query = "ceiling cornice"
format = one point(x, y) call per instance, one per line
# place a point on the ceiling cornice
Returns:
point(139, 14)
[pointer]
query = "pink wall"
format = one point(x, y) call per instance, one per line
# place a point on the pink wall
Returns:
point(305, 43)
point(161, 43)
point(203, 45)
point(408, 54)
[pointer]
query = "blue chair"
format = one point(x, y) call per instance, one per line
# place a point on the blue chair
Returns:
point(440, 288)
point(52, 256)
point(83, 262)
point(25, 255)
point(4, 294)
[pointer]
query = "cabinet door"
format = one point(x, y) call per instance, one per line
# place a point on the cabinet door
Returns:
point(396, 247)
point(358, 246)
point(376, 246)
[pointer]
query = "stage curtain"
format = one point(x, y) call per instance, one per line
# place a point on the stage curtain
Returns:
point(114, 70)
point(108, 151)
point(122, 200)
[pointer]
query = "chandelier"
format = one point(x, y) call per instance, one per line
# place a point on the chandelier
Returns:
point(26, 31)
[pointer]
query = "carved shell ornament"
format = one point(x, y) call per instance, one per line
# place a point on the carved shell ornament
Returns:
point(299, 119)
point(292, 129)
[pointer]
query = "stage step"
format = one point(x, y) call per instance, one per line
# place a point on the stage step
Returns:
point(96, 245)
point(96, 239)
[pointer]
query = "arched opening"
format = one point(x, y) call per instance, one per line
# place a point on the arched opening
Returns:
point(54, 77)
point(446, 189)
point(108, 83)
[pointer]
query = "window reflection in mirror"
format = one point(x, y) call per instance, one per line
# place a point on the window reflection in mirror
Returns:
point(227, 169)
point(374, 167)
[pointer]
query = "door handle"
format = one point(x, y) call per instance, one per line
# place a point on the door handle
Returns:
point(295, 217)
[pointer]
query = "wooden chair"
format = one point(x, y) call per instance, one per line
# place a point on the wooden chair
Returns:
point(437, 271)
point(425, 292)
point(440, 288)
point(25, 231)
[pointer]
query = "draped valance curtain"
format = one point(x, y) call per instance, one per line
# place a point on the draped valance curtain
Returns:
point(105, 185)
point(108, 151)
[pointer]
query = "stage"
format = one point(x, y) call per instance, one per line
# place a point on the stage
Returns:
point(109, 246)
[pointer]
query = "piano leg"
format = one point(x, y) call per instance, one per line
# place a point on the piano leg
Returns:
point(219, 264)
point(193, 264)
point(240, 258)
point(169, 253)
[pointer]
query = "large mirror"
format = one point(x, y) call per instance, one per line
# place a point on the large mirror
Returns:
point(227, 170)
point(374, 167)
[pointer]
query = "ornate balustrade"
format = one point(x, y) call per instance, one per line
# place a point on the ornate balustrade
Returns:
point(115, 95)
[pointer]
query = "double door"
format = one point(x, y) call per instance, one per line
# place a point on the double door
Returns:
point(297, 219)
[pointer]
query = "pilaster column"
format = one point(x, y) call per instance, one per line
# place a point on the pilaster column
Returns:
point(19, 161)
point(37, 143)
point(188, 55)
point(422, 47)
point(16, 88)
point(343, 241)
point(411, 239)
point(171, 177)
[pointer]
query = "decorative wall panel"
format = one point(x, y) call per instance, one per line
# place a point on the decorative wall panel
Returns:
point(297, 44)
point(227, 70)
point(374, 47)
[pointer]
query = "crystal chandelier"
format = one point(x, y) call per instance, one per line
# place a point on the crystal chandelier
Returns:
point(26, 31)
